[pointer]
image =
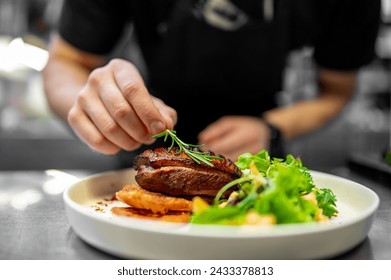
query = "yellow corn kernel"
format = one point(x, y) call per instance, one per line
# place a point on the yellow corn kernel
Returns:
point(311, 197)
point(223, 204)
point(199, 204)
point(320, 217)
point(254, 218)
point(253, 168)
point(233, 195)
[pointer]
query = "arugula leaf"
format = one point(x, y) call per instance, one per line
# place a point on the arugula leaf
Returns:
point(326, 201)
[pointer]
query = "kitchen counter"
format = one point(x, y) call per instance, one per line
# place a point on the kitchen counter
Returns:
point(33, 223)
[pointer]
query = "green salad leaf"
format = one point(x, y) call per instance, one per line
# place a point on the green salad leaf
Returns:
point(327, 201)
point(270, 187)
point(213, 215)
point(261, 161)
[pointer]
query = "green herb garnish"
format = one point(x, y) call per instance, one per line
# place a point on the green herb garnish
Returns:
point(190, 149)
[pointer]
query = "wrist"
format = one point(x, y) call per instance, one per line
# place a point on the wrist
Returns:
point(276, 140)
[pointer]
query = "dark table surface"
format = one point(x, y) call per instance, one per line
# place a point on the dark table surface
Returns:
point(33, 223)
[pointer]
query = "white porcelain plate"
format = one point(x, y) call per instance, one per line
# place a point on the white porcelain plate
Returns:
point(88, 203)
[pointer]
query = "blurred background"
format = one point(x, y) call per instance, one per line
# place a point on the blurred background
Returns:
point(31, 137)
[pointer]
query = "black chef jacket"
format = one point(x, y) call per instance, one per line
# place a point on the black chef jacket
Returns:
point(210, 58)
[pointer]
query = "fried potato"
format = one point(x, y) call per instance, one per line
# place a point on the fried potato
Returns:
point(170, 216)
point(137, 197)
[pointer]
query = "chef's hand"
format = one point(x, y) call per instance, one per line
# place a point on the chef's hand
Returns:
point(115, 110)
point(232, 136)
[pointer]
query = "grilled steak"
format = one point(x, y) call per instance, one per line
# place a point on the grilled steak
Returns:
point(176, 174)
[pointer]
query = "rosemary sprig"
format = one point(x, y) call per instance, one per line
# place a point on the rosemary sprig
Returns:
point(196, 155)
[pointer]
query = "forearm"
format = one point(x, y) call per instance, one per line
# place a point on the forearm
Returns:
point(63, 81)
point(66, 74)
point(303, 117)
point(335, 91)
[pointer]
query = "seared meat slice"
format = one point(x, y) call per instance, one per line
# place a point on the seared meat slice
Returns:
point(176, 174)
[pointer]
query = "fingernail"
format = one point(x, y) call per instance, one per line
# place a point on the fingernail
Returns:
point(157, 127)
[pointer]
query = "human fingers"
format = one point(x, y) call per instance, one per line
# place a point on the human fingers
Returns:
point(88, 133)
point(122, 112)
point(134, 91)
point(242, 133)
point(102, 103)
point(231, 141)
point(169, 114)
point(216, 130)
point(94, 108)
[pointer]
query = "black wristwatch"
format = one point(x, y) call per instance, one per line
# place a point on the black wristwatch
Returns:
point(276, 145)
